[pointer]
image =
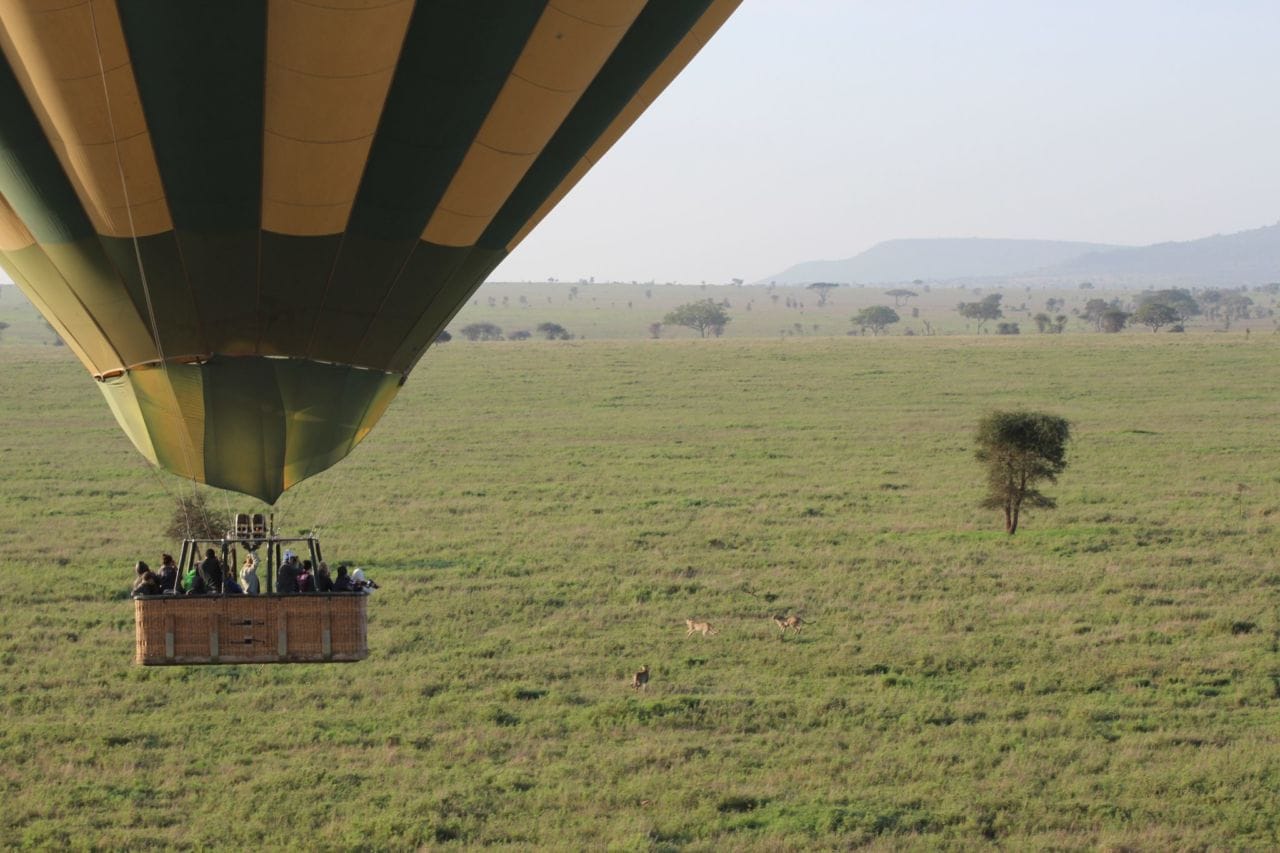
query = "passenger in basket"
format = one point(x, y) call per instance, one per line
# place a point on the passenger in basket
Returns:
point(287, 574)
point(147, 582)
point(168, 573)
point(193, 582)
point(211, 570)
point(360, 583)
point(324, 583)
point(305, 580)
point(342, 583)
point(249, 575)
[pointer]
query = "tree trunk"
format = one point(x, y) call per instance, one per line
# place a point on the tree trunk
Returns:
point(1010, 521)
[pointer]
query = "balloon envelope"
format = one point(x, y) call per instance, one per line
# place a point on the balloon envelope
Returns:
point(250, 220)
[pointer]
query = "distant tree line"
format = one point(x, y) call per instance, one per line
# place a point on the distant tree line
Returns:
point(1171, 308)
point(493, 332)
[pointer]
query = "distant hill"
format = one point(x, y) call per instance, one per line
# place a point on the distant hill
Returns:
point(939, 259)
point(1247, 257)
point(1223, 260)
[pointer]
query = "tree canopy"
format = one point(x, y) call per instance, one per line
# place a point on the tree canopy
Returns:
point(482, 332)
point(1113, 320)
point(1019, 449)
point(704, 316)
point(554, 332)
point(1050, 325)
point(1177, 298)
point(1094, 309)
point(988, 308)
point(876, 318)
point(1155, 315)
point(1225, 305)
point(823, 289)
point(193, 517)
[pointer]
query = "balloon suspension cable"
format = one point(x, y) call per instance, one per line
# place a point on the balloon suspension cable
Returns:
point(323, 515)
point(278, 515)
point(226, 504)
point(182, 504)
point(187, 450)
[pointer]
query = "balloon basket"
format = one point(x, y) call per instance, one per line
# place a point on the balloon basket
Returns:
point(233, 629)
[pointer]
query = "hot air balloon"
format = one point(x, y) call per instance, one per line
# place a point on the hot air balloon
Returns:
point(249, 220)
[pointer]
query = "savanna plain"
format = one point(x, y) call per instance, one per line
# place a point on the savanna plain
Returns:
point(542, 518)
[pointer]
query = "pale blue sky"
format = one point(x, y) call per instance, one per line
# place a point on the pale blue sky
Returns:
point(815, 128)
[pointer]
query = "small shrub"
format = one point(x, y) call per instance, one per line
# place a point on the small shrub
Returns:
point(740, 804)
point(194, 519)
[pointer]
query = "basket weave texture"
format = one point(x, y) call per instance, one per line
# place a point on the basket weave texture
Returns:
point(308, 628)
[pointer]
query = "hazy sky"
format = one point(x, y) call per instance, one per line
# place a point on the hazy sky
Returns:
point(813, 129)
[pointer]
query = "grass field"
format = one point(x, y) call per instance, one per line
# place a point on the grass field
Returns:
point(543, 517)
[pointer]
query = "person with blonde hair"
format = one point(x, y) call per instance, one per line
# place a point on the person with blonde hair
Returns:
point(249, 575)
point(324, 582)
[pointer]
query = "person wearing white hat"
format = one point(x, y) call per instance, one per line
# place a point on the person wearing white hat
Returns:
point(360, 583)
point(287, 575)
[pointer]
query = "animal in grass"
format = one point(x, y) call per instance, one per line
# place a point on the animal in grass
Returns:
point(792, 622)
point(640, 681)
point(703, 628)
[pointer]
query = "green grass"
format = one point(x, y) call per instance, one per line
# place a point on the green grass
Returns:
point(544, 516)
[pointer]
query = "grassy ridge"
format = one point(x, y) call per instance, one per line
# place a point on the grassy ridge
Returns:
point(543, 517)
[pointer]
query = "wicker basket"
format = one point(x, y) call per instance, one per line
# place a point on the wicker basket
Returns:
point(307, 628)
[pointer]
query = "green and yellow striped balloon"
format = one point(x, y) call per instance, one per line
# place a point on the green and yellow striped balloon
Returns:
point(250, 219)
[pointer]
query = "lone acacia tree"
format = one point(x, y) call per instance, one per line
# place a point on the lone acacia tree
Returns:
point(702, 317)
point(988, 309)
point(876, 318)
point(1020, 449)
point(554, 332)
point(900, 296)
point(823, 289)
